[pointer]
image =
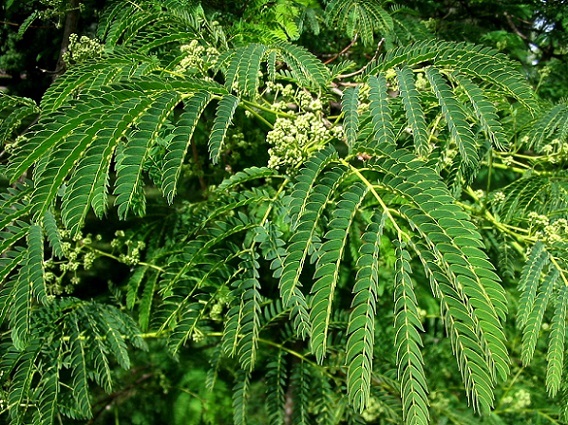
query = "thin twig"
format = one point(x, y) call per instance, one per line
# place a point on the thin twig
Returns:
point(343, 51)
point(195, 153)
point(352, 74)
point(111, 399)
point(514, 27)
point(15, 24)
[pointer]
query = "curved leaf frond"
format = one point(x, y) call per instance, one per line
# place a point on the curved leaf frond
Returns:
point(349, 104)
point(456, 121)
point(306, 238)
point(556, 345)
point(408, 343)
point(361, 328)
point(329, 257)
point(180, 142)
point(380, 110)
point(131, 159)
point(357, 17)
point(15, 113)
point(479, 63)
point(414, 111)
point(225, 111)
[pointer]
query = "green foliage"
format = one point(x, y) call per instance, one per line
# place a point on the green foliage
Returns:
point(359, 18)
point(229, 196)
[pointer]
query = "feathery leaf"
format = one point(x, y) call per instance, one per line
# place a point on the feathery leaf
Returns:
point(361, 327)
point(329, 256)
point(182, 138)
point(414, 112)
point(225, 111)
point(414, 389)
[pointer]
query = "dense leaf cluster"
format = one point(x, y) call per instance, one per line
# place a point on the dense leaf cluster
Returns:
point(336, 278)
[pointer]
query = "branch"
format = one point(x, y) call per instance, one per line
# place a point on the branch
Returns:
point(514, 27)
point(14, 24)
point(352, 74)
point(71, 25)
point(111, 399)
point(351, 44)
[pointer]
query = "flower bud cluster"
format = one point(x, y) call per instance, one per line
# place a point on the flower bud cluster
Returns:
point(55, 11)
point(78, 254)
point(11, 146)
point(293, 140)
point(286, 91)
point(550, 231)
point(507, 160)
point(519, 401)
point(498, 197)
point(223, 300)
point(197, 58)
point(82, 49)
point(363, 104)
point(298, 134)
point(197, 335)
point(421, 83)
point(373, 410)
point(557, 151)
point(479, 194)
point(62, 276)
point(447, 158)
point(307, 103)
point(536, 219)
point(133, 248)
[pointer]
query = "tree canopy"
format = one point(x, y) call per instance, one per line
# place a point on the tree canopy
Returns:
point(283, 212)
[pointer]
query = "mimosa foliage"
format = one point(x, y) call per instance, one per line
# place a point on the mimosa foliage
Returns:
point(368, 222)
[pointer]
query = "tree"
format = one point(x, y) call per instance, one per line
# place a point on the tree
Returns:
point(201, 203)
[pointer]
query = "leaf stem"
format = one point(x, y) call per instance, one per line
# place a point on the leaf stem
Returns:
point(560, 269)
point(373, 190)
point(518, 233)
point(114, 257)
point(252, 105)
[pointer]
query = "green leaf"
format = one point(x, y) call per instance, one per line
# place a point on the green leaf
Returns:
point(21, 382)
point(555, 354)
point(456, 121)
point(79, 370)
point(534, 319)
point(276, 379)
point(53, 234)
point(241, 397)
point(243, 69)
point(88, 185)
point(485, 112)
point(306, 205)
point(129, 185)
point(359, 17)
point(225, 111)
point(179, 144)
point(328, 263)
point(380, 111)
point(147, 301)
point(305, 67)
point(349, 104)
point(302, 380)
point(410, 363)
point(414, 112)
point(480, 63)
point(47, 399)
point(473, 303)
point(361, 326)
point(15, 113)
point(530, 280)
point(30, 286)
